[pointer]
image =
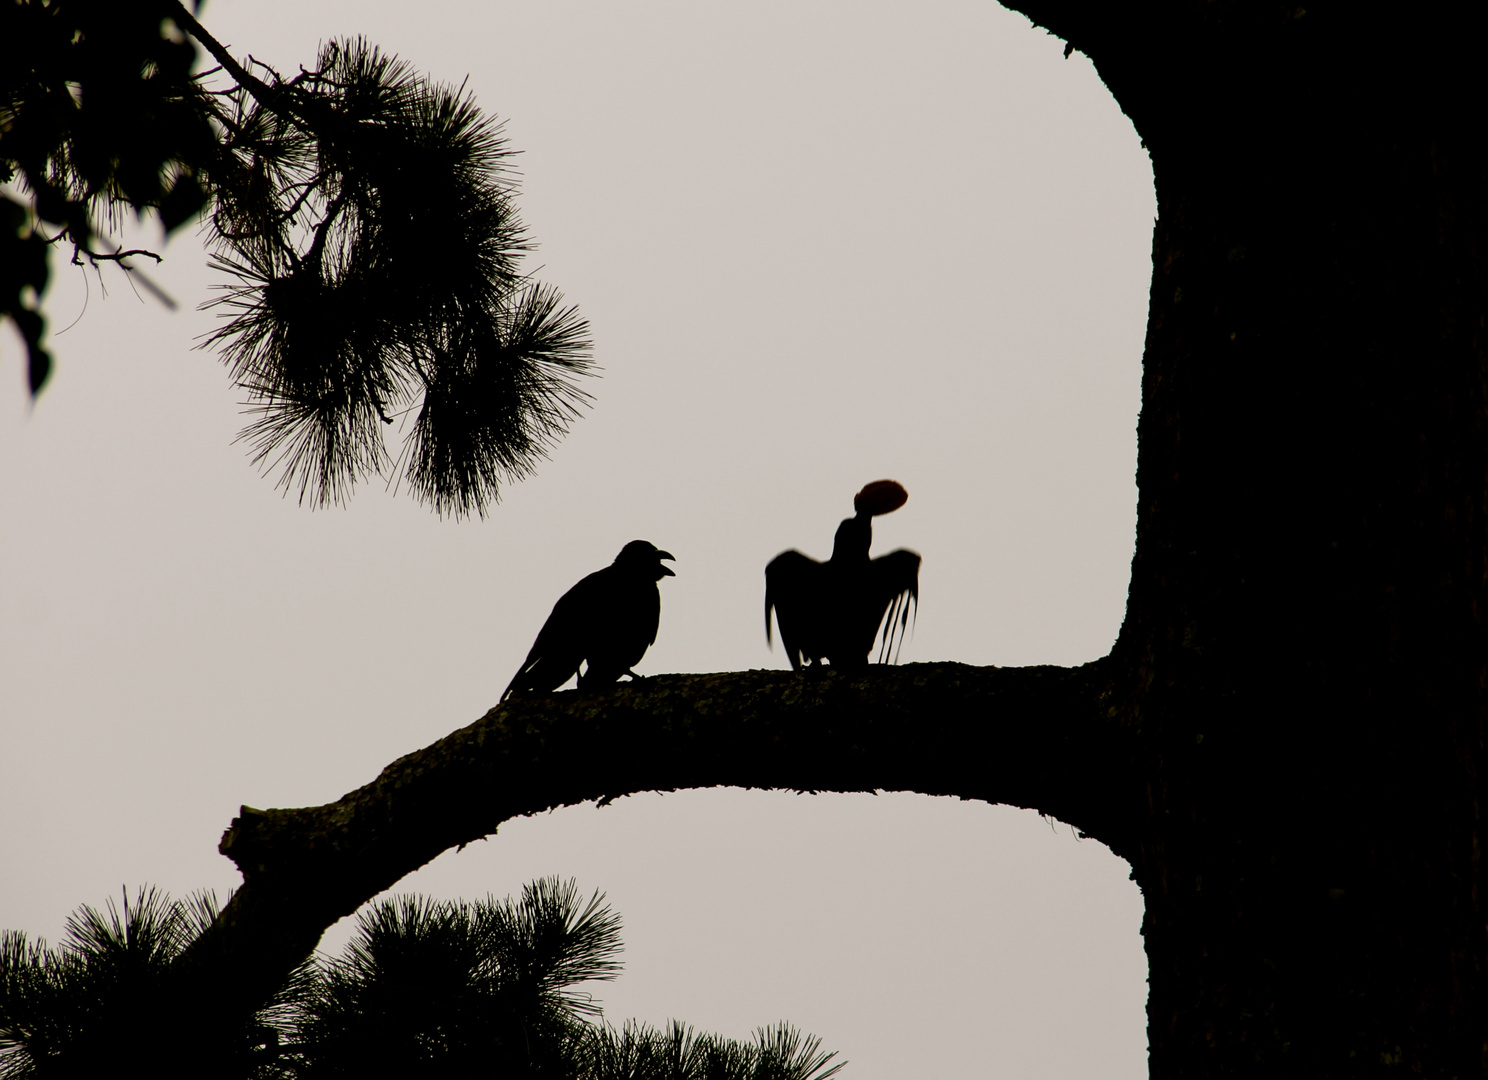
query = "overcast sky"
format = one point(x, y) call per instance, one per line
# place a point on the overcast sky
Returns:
point(818, 244)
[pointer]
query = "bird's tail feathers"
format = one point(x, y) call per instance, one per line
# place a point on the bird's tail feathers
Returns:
point(526, 668)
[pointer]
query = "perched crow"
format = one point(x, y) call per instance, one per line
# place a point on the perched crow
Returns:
point(832, 611)
point(609, 619)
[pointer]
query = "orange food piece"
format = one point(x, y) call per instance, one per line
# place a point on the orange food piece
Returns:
point(880, 497)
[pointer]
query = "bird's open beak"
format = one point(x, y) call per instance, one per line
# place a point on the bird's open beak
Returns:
point(666, 571)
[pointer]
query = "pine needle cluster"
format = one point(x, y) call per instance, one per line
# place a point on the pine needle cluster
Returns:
point(429, 987)
point(103, 996)
point(366, 217)
point(99, 115)
point(376, 314)
point(424, 988)
point(677, 1052)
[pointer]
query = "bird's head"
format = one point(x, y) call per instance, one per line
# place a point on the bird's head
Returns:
point(644, 558)
point(855, 535)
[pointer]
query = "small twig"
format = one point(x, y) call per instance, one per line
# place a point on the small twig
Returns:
point(255, 86)
point(221, 116)
point(310, 187)
point(306, 75)
point(317, 246)
point(96, 257)
point(279, 82)
point(279, 98)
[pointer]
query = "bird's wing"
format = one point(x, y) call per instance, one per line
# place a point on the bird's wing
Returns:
point(793, 589)
point(895, 583)
point(648, 618)
point(625, 621)
point(563, 640)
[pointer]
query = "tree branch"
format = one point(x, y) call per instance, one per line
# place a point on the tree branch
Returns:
point(265, 94)
point(278, 98)
point(96, 257)
point(1033, 737)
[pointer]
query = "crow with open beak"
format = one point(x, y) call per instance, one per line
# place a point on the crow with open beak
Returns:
point(605, 624)
point(832, 611)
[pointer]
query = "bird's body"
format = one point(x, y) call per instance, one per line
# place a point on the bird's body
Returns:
point(832, 611)
point(604, 625)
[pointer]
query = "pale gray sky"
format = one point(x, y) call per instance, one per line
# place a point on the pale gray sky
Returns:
point(818, 244)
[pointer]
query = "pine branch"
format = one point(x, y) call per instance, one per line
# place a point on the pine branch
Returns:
point(1034, 737)
point(267, 96)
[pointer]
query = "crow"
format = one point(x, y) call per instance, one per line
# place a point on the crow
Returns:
point(832, 611)
point(608, 620)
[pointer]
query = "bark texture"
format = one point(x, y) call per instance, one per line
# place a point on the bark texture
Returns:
point(1026, 736)
point(1304, 650)
point(1287, 742)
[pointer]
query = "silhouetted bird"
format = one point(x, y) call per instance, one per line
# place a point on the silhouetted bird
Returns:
point(832, 611)
point(605, 622)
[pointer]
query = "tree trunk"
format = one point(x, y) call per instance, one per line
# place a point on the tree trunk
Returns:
point(1303, 660)
point(1287, 742)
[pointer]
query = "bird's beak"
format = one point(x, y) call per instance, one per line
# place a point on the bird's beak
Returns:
point(666, 571)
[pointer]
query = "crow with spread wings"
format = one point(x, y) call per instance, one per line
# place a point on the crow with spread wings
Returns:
point(832, 611)
point(605, 623)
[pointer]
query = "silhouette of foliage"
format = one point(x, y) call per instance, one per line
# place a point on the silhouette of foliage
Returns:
point(676, 1052)
point(364, 214)
point(71, 1010)
point(447, 987)
point(98, 113)
point(424, 988)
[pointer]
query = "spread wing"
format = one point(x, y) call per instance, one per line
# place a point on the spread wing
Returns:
point(561, 643)
point(795, 592)
point(894, 583)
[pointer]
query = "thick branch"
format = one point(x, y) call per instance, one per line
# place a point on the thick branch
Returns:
point(1035, 737)
point(277, 98)
point(265, 94)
